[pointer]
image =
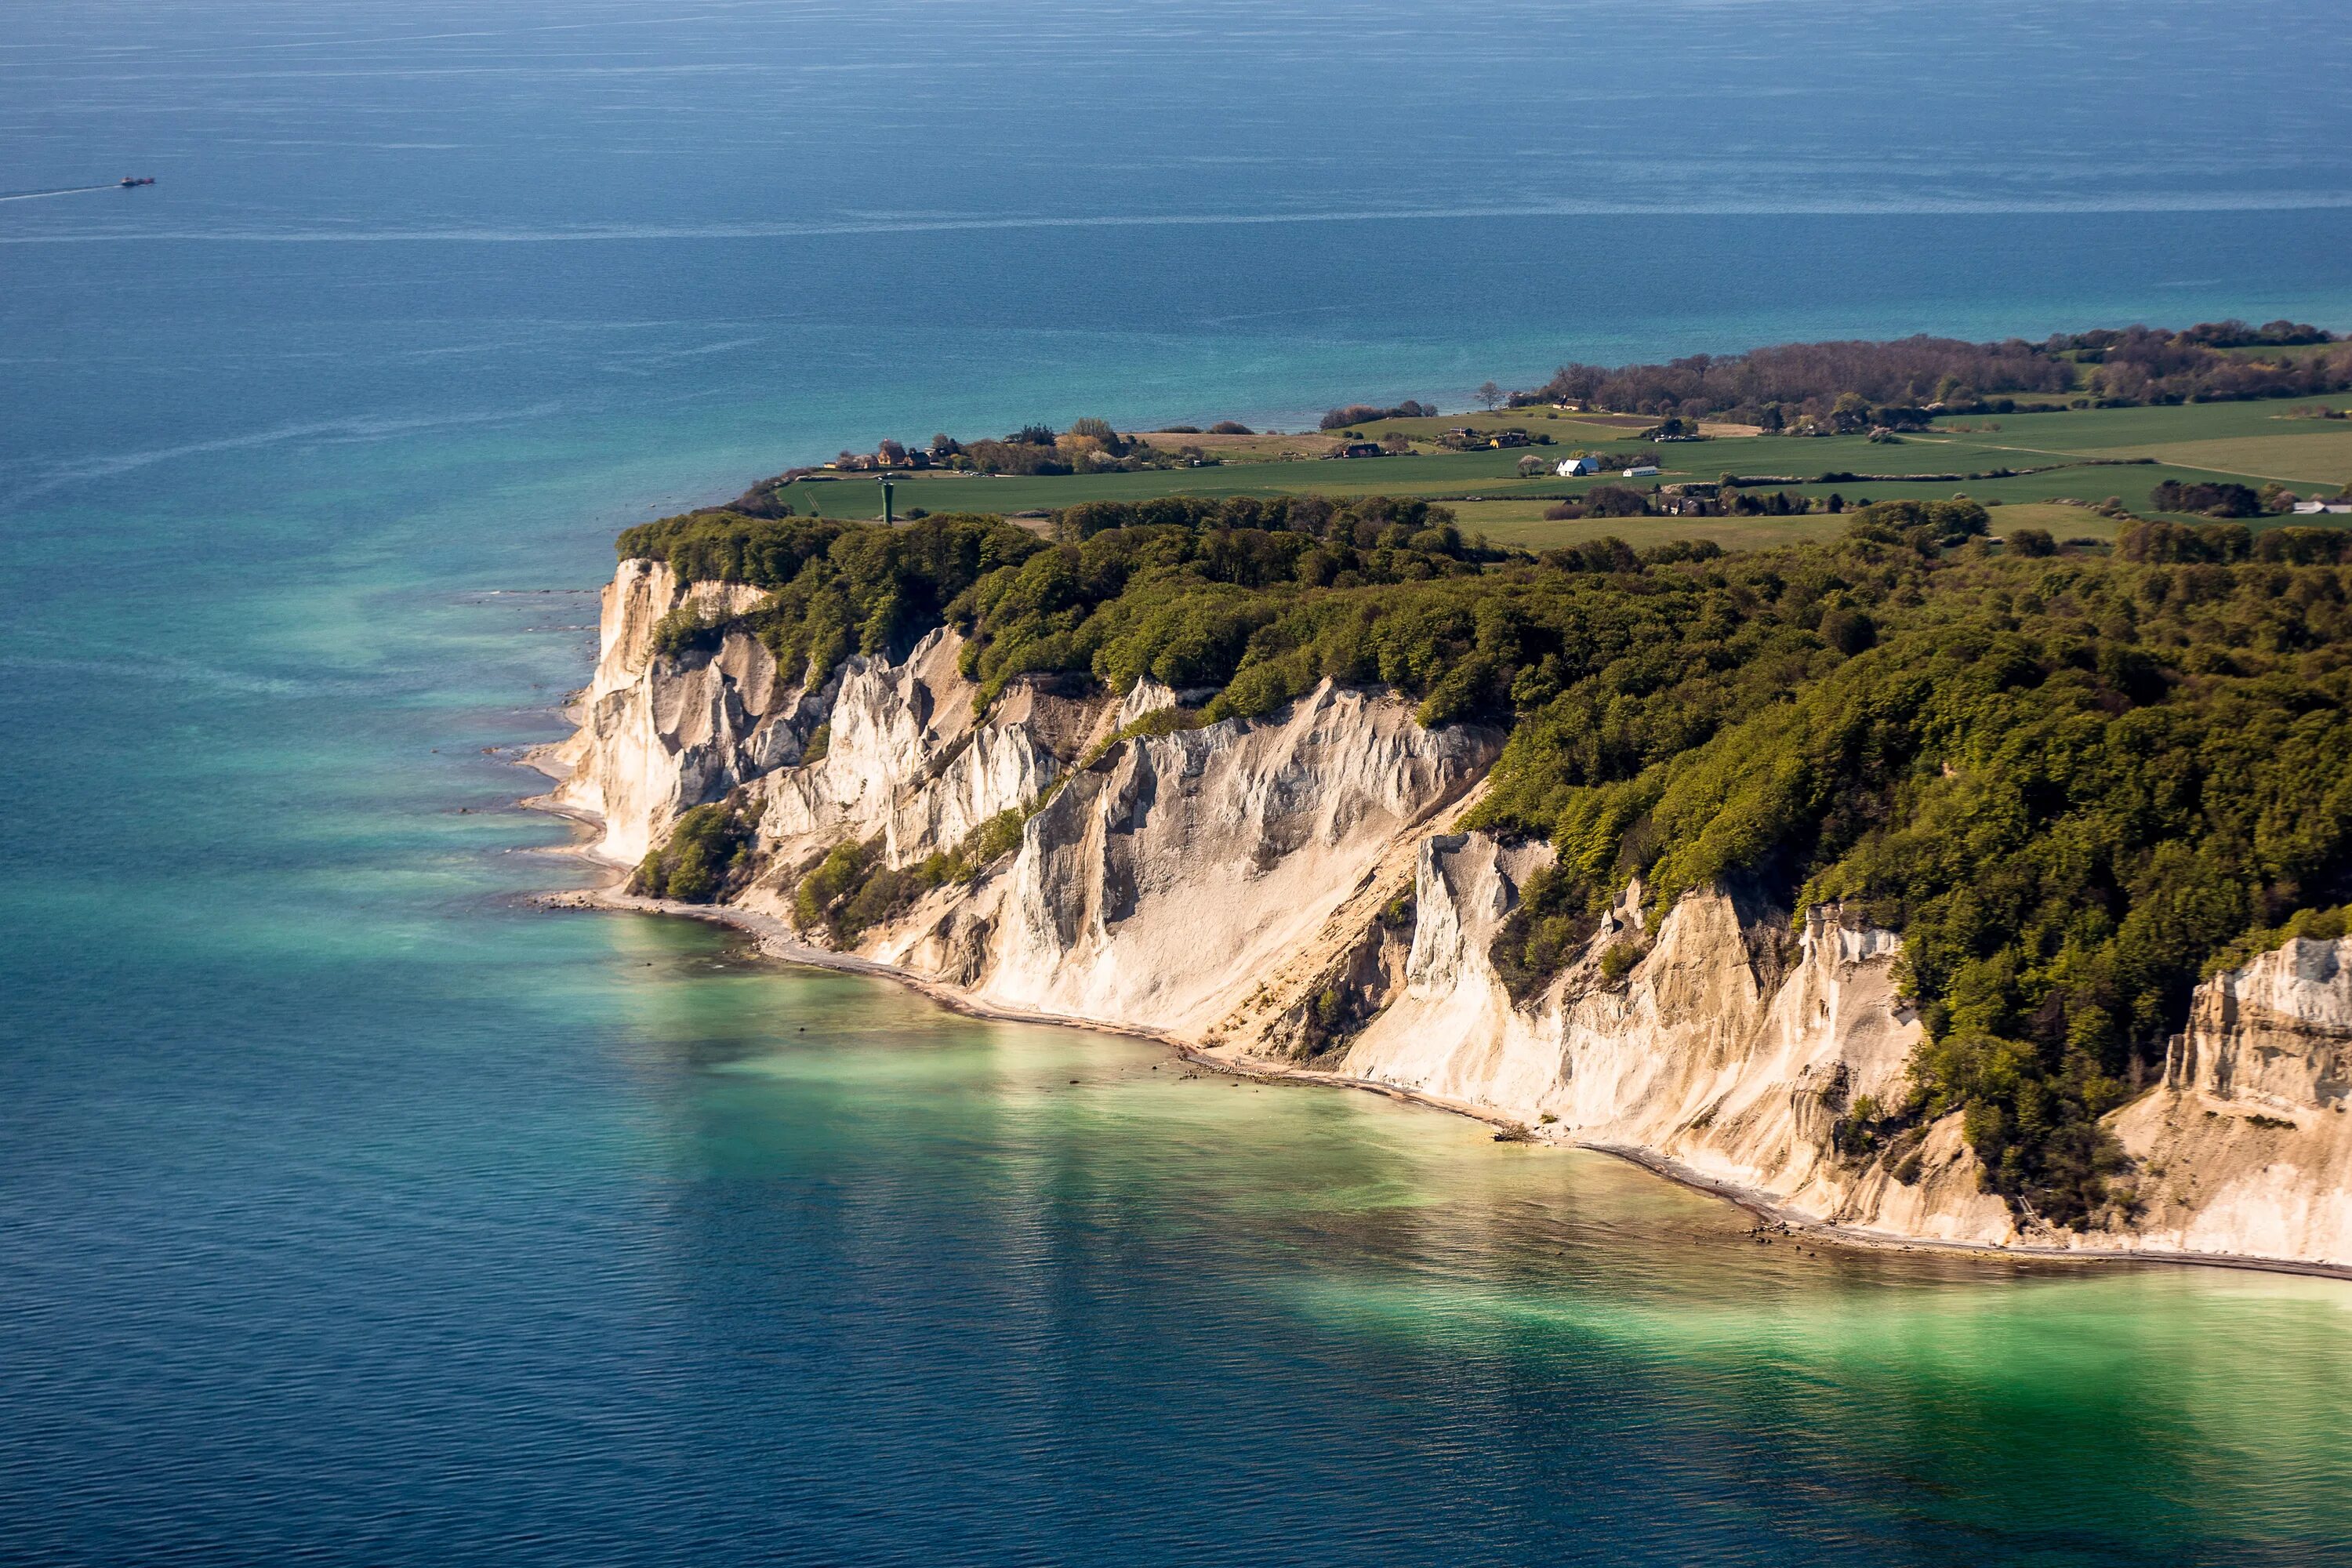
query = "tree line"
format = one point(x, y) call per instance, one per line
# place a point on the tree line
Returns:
point(1782, 386)
point(1366, 413)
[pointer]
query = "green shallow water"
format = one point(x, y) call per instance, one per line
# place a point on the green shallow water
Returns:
point(1600, 1350)
point(1304, 1304)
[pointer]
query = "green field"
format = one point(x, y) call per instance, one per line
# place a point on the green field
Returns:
point(2304, 460)
point(1522, 524)
point(2080, 454)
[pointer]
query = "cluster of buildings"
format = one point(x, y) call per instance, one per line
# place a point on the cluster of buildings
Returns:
point(1572, 467)
point(1461, 440)
point(1468, 440)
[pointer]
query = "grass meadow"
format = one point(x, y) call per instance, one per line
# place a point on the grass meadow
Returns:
point(2074, 456)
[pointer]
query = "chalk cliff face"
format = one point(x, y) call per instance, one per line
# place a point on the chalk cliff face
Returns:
point(1158, 888)
point(657, 736)
point(1293, 892)
point(1723, 1053)
point(907, 759)
point(2247, 1147)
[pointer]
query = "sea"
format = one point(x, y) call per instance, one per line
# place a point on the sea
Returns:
point(354, 1210)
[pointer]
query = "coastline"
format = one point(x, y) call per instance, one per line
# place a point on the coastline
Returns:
point(775, 941)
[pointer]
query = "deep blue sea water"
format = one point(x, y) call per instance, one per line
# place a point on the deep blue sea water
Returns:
point(351, 1211)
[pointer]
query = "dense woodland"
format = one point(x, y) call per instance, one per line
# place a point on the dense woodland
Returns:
point(1778, 387)
point(2072, 781)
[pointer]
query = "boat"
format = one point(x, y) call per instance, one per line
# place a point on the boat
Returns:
point(131, 180)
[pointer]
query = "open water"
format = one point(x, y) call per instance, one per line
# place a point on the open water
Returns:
point(351, 1212)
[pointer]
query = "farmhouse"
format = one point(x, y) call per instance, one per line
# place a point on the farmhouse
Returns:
point(1689, 499)
point(1466, 440)
point(1358, 449)
point(1569, 467)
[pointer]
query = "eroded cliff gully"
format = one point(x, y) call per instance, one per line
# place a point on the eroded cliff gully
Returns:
point(1292, 894)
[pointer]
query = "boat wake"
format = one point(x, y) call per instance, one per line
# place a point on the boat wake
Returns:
point(121, 185)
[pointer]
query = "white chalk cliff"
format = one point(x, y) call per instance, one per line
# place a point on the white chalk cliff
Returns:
point(2247, 1146)
point(1293, 892)
point(657, 736)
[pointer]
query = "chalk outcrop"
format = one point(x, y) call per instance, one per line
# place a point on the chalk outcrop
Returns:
point(1155, 889)
point(1714, 1048)
point(1294, 893)
point(907, 759)
point(657, 735)
point(2247, 1147)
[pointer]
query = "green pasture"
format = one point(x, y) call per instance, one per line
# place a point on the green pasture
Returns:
point(2082, 454)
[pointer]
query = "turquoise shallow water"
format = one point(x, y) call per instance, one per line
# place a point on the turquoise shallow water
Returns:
point(348, 1208)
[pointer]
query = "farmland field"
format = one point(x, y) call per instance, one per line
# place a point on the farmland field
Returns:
point(2309, 459)
point(1522, 524)
point(2093, 429)
point(2082, 455)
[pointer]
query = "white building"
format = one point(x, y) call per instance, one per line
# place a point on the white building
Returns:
point(2308, 507)
point(1641, 470)
point(1569, 467)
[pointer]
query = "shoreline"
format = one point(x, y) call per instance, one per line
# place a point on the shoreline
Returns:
point(774, 940)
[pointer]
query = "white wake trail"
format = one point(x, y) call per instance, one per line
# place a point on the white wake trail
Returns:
point(67, 191)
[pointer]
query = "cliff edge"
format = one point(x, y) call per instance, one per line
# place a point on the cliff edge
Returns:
point(1294, 893)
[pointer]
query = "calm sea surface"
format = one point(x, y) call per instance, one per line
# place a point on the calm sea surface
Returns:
point(351, 1212)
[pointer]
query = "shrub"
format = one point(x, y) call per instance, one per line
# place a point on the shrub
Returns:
point(850, 891)
point(2319, 925)
point(685, 630)
point(707, 855)
point(1620, 959)
point(1856, 1135)
point(1547, 929)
